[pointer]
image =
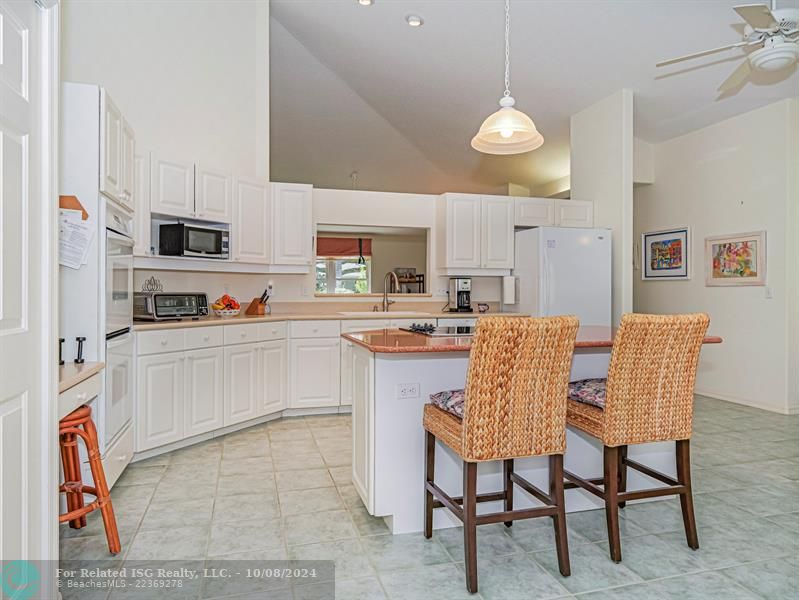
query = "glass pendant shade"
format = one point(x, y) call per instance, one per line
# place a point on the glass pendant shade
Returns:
point(507, 131)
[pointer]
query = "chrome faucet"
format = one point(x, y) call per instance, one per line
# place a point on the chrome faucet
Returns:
point(386, 301)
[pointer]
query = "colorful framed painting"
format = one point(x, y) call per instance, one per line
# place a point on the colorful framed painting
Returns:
point(666, 254)
point(736, 259)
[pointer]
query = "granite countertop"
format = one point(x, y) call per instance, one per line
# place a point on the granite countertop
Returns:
point(397, 341)
point(71, 374)
point(242, 318)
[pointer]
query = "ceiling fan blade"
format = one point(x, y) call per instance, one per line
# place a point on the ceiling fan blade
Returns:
point(757, 15)
point(737, 77)
point(699, 54)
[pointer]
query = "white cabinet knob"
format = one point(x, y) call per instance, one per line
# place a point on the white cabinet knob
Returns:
point(123, 458)
point(243, 334)
point(163, 342)
point(206, 338)
point(315, 330)
point(81, 397)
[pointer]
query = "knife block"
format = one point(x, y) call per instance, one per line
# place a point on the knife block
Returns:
point(256, 308)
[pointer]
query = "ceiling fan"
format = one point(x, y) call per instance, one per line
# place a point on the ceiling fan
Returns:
point(775, 31)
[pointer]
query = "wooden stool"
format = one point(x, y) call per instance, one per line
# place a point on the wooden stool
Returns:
point(69, 430)
point(647, 397)
point(514, 406)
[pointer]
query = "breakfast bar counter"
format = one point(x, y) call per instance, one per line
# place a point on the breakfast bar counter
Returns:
point(392, 373)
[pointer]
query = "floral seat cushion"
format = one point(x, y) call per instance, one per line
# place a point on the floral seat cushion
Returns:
point(450, 401)
point(588, 391)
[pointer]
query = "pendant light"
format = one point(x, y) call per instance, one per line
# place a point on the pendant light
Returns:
point(507, 131)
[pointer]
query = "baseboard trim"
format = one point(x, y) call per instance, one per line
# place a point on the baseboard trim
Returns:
point(744, 402)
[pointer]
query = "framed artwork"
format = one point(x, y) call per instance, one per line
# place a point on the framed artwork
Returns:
point(665, 255)
point(736, 259)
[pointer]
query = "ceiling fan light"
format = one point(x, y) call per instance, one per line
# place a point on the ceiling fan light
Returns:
point(507, 131)
point(775, 57)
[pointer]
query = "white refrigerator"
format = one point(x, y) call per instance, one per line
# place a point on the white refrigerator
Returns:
point(562, 271)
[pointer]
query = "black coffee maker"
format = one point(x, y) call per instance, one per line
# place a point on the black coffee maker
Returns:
point(460, 292)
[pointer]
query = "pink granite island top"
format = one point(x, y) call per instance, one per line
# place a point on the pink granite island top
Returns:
point(395, 341)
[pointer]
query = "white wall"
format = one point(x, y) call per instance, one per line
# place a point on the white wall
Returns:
point(602, 171)
point(191, 77)
point(735, 176)
point(335, 207)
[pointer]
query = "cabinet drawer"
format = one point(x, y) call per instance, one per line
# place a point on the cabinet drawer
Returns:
point(457, 322)
point(272, 331)
point(241, 334)
point(118, 456)
point(166, 340)
point(315, 329)
point(363, 325)
point(204, 337)
point(79, 395)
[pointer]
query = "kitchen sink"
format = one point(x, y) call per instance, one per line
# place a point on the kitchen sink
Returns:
point(382, 313)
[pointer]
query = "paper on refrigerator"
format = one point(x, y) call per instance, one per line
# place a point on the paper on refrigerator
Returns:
point(74, 238)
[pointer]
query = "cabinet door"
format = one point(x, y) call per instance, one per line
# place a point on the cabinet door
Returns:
point(141, 201)
point(128, 188)
point(315, 373)
point(362, 374)
point(204, 397)
point(212, 199)
point(534, 212)
point(463, 231)
point(346, 373)
point(111, 147)
point(159, 401)
point(172, 187)
point(574, 213)
point(250, 235)
point(497, 232)
point(274, 373)
point(292, 224)
point(242, 400)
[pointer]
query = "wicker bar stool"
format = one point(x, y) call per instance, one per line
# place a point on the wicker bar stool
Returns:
point(514, 406)
point(648, 396)
point(79, 424)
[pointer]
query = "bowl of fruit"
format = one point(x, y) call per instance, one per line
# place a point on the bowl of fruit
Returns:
point(226, 306)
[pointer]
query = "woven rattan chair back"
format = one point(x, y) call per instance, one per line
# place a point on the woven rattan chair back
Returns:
point(516, 387)
point(650, 388)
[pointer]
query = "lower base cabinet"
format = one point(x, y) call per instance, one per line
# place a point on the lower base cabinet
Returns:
point(204, 391)
point(362, 371)
point(314, 373)
point(242, 366)
point(159, 410)
point(274, 374)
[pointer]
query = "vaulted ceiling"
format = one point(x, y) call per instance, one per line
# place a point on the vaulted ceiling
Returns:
point(354, 89)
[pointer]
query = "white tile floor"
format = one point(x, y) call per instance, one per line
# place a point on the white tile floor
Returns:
point(282, 490)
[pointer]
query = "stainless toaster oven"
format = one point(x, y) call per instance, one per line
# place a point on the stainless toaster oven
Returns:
point(162, 306)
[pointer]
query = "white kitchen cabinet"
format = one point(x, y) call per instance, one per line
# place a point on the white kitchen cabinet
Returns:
point(292, 224)
point(110, 146)
point(242, 397)
point(212, 195)
point(172, 187)
point(250, 232)
point(462, 231)
point(345, 383)
point(462, 322)
point(273, 371)
point(363, 451)
point(141, 201)
point(204, 391)
point(159, 406)
point(534, 212)
point(128, 167)
point(574, 213)
point(314, 366)
point(496, 239)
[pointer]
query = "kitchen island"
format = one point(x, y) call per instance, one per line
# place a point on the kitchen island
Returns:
point(393, 373)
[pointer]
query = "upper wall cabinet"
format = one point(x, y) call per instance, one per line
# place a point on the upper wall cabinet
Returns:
point(141, 200)
point(185, 189)
point(541, 212)
point(292, 224)
point(574, 213)
point(117, 149)
point(251, 236)
point(475, 234)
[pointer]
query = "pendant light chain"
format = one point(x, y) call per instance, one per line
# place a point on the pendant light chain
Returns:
point(507, 48)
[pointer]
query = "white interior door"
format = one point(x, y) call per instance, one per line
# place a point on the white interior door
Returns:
point(28, 282)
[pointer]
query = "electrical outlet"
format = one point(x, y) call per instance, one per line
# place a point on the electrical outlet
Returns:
point(407, 390)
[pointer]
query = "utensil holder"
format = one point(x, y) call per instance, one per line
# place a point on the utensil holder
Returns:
point(256, 308)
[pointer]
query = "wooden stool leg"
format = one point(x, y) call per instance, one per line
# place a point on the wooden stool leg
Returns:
point(507, 468)
point(557, 495)
point(103, 495)
point(622, 473)
point(686, 498)
point(66, 463)
point(611, 456)
point(429, 473)
point(72, 475)
point(470, 524)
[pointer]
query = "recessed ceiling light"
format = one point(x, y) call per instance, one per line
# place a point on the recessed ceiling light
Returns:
point(365, 2)
point(414, 20)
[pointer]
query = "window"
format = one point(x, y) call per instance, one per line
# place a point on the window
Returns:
point(343, 275)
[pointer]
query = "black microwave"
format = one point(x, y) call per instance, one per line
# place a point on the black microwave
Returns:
point(180, 239)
